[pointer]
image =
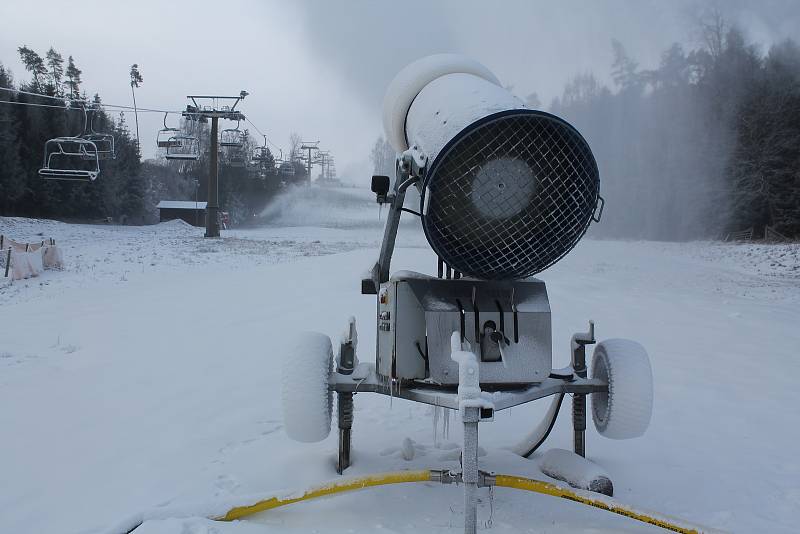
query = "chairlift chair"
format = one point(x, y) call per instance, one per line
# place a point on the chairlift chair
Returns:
point(73, 158)
point(70, 158)
point(236, 158)
point(183, 147)
point(260, 155)
point(232, 137)
point(104, 142)
point(166, 136)
point(263, 160)
point(286, 168)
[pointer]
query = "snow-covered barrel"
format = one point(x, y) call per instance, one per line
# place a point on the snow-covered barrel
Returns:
point(509, 190)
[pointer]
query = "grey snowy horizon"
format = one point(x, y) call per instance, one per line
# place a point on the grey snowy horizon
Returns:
point(320, 68)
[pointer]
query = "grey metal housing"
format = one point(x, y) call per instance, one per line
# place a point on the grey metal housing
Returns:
point(507, 324)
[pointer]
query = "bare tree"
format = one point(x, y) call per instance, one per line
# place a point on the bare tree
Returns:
point(709, 30)
point(382, 156)
point(294, 145)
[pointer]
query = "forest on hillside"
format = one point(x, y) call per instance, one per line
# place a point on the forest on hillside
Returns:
point(53, 104)
point(705, 144)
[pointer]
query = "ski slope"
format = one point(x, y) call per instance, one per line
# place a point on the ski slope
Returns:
point(146, 375)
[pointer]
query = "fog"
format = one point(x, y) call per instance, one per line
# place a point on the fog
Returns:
point(320, 68)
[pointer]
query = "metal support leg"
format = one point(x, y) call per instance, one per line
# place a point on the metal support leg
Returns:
point(578, 346)
point(345, 409)
point(345, 366)
point(579, 423)
point(469, 466)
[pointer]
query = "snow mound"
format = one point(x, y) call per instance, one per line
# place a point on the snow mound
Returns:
point(175, 223)
point(571, 468)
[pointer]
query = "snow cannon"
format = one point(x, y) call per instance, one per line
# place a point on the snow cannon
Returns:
point(505, 192)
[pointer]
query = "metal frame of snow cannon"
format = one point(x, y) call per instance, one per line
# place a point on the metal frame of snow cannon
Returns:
point(444, 356)
point(505, 193)
point(431, 384)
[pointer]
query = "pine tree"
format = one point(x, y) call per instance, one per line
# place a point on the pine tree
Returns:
point(34, 64)
point(12, 177)
point(55, 64)
point(624, 70)
point(136, 81)
point(74, 81)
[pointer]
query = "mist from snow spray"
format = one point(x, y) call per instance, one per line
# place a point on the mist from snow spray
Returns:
point(662, 157)
point(331, 207)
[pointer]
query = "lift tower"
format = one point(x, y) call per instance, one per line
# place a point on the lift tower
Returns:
point(309, 145)
point(322, 159)
point(214, 110)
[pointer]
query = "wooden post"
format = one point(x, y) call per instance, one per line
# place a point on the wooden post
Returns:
point(8, 261)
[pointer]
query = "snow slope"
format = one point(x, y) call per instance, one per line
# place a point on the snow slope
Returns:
point(146, 374)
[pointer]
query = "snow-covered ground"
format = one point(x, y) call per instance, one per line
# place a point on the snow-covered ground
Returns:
point(146, 374)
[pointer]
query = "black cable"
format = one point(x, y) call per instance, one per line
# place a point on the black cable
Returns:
point(82, 101)
point(549, 428)
point(411, 212)
point(12, 102)
point(262, 133)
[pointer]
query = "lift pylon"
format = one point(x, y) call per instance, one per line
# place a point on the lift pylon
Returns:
point(214, 107)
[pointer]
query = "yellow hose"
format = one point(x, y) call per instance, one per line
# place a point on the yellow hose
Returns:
point(503, 481)
point(537, 486)
point(398, 477)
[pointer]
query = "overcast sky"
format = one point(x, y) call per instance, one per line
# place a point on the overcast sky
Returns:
point(320, 67)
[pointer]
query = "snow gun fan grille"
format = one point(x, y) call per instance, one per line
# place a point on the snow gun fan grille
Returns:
point(510, 195)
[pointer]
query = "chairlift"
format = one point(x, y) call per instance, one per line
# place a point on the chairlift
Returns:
point(260, 155)
point(71, 158)
point(263, 159)
point(183, 147)
point(286, 168)
point(232, 137)
point(236, 158)
point(104, 142)
point(166, 137)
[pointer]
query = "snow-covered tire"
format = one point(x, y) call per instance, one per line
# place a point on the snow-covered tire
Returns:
point(624, 411)
point(307, 401)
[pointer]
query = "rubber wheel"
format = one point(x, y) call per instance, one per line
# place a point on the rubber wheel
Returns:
point(624, 411)
point(307, 401)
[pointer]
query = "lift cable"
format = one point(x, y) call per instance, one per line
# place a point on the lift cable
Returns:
point(37, 105)
point(65, 100)
point(81, 100)
point(262, 134)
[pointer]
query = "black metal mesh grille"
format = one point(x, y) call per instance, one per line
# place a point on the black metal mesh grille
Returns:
point(511, 196)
